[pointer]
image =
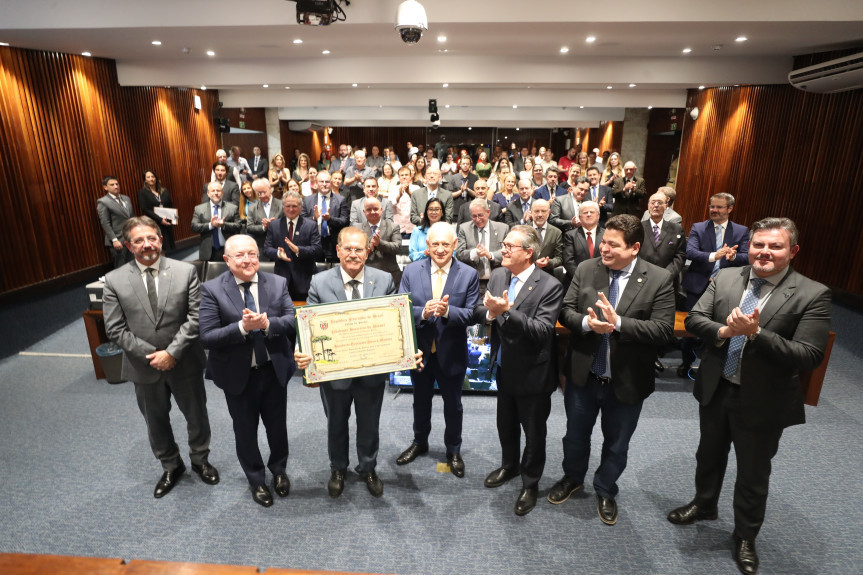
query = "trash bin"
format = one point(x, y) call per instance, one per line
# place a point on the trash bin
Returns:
point(111, 356)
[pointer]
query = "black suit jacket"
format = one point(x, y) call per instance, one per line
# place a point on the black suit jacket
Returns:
point(575, 248)
point(230, 192)
point(514, 213)
point(602, 192)
point(338, 209)
point(552, 248)
point(302, 267)
point(670, 252)
point(629, 203)
point(646, 311)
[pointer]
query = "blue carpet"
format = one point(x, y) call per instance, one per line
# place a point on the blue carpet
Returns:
point(77, 477)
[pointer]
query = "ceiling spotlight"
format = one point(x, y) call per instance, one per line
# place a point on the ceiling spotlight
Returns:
point(581, 107)
point(701, 87)
point(632, 85)
point(441, 38)
point(687, 50)
point(210, 53)
point(518, 129)
point(265, 86)
point(325, 52)
point(650, 107)
point(447, 106)
point(446, 85)
point(590, 39)
point(741, 39)
point(564, 50)
point(469, 128)
point(156, 43)
point(608, 87)
point(298, 41)
point(515, 106)
point(88, 54)
point(287, 87)
point(203, 87)
point(353, 85)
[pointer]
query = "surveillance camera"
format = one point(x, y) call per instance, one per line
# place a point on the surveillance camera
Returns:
point(435, 125)
point(694, 113)
point(411, 21)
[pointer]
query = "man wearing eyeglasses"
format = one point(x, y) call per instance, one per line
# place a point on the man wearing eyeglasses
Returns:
point(479, 241)
point(329, 210)
point(521, 306)
point(247, 323)
point(444, 293)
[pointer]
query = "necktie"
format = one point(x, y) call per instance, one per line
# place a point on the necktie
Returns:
point(483, 260)
point(589, 244)
point(510, 296)
point(258, 343)
point(374, 230)
point(267, 209)
point(431, 195)
point(291, 231)
point(216, 243)
point(122, 205)
point(355, 292)
point(324, 229)
point(735, 346)
point(152, 295)
point(600, 360)
point(437, 291)
point(256, 163)
point(593, 193)
point(718, 247)
point(655, 235)
point(541, 234)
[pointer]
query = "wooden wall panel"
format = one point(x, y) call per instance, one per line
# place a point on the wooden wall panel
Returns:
point(64, 124)
point(782, 152)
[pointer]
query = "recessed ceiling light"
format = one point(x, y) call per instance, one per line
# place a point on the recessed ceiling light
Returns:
point(632, 85)
point(469, 128)
point(441, 38)
point(447, 106)
point(156, 43)
point(325, 52)
point(650, 107)
point(581, 107)
point(518, 129)
point(266, 86)
point(287, 87)
point(210, 53)
point(590, 39)
point(687, 50)
point(203, 87)
point(298, 41)
point(354, 85)
point(701, 87)
point(609, 87)
point(564, 50)
point(515, 106)
point(88, 54)
point(446, 85)
point(741, 39)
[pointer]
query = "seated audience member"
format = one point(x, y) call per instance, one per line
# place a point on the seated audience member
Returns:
point(433, 214)
point(153, 195)
point(551, 239)
point(370, 190)
point(216, 221)
point(293, 242)
point(262, 213)
point(385, 239)
point(583, 242)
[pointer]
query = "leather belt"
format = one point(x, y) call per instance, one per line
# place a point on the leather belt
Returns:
point(261, 366)
point(600, 379)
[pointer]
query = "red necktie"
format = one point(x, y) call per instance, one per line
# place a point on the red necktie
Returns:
point(589, 244)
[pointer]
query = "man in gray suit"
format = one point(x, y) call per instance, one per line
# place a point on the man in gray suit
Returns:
point(114, 210)
point(216, 221)
point(432, 189)
point(385, 240)
point(370, 190)
point(263, 212)
point(763, 323)
point(230, 190)
point(351, 279)
point(551, 240)
point(564, 211)
point(151, 311)
point(480, 242)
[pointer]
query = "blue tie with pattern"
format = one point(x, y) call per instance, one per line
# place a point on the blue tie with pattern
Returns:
point(600, 360)
point(735, 346)
point(718, 247)
point(510, 296)
point(324, 229)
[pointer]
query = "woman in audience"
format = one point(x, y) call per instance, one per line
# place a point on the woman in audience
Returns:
point(420, 177)
point(279, 175)
point(613, 170)
point(448, 167)
point(507, 192)
point(394, 161)
point(433, 214)
point(496, 180)
point(583, 162)
point(301, 174)
point(310, 186)
point(388, 182)
point(248, 197)
point(323, 162)
point(153, 195)
point(483, 166)
point(537, 179)
point(294, 186)
point(527, 172)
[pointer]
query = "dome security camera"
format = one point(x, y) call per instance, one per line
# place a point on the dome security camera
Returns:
point(411, 21)
point(694, 113)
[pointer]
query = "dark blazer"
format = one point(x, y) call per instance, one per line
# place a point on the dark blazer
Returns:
point(670, 252)
point(263, 167)
point(452, 182)
point(543, 193)
point(255, 228)
point(795, 324)
point(575, 248)
point(147, 201)
point(420, 198)
point(338, 209)
point(495, 213)
point(384, 256)
point(230, 192)
point(602, 192)
point(201, 225)
point(702, 242)
point(552, 248)
point(112, 217)
point(562, 212)
point(230, 359)
point(628, 203)
point(528, 357)
point(302, 267)
point(514, 213)
point(462, 286)
point(646, 311)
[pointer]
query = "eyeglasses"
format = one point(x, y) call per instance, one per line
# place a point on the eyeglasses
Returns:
point(352, 250)
point(240, 257)
point(510, 247)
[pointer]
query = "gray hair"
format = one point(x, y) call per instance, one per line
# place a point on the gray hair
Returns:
point(479, 202)
point(588, 204)
point(212, 185)
point(290, 194)
point(441, 228)
point(529, 240)
point(261, 184)
point(729, 199)
point(669, 192)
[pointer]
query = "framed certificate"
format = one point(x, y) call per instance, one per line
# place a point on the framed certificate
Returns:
point(357, 337)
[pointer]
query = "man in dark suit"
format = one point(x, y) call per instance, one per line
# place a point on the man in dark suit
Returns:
point(583, 242)
point(613, 345)
point(444, 293)
point(370, 190)
point(329, 211)
point(216, 221)
point(664, 241)
point(713, 244)
point(602, 195)
point(294, 244)
point(352, 279)
point(522, 304)
point(151, 311)
point(550, 189)
point(481, 189)
point(628, 192)
point(564, 211)
point(385, 240)
point(262, 213)
point(518, 210)
point(550, 253)
point(247, 323)
point(259, 164)
point(764, 324)
point(432, 189)
point(230, 190)
point(460, 184)
point(114, 209)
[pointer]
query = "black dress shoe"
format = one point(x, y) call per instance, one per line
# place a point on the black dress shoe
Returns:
point(411, 453)
point(500, 476)
point(456, 464)
point(336, 484)
point(208, 473)
point(745, 555)
point(168, 481)
point(660, 367)
point(262, 496)
point(691, 513)
point(526, 501)
point(281, 485)
point(561, 490)
point(607, 509)
point(374, 483)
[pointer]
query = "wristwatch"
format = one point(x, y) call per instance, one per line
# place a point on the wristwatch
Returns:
point(505, 315)
point(754, 335)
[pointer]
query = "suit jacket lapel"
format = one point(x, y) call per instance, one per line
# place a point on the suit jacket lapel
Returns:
point(263, 293)
point(233, 291)
point(636, 281)
point(165, 279)
point(140, 291)
point(781, 294)
point(527, 289)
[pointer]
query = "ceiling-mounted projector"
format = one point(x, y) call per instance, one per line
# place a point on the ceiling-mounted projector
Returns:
point(320, 12)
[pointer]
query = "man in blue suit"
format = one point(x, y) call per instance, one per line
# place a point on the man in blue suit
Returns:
point(352, 279)
point(713, 244)
point(293, 242)
point(330, 211)
point(247, 323)
point(444, 292)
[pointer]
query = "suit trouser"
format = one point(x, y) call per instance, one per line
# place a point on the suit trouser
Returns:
point(450, 390)
point(367, 402)
point(265, 399)
point(721, 425)
point(619, 420)
point(154, 401)
point(120, 257)
point(528, 412)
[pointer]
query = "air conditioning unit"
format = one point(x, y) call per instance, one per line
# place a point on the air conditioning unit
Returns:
point(838, 75)
point(304, 127)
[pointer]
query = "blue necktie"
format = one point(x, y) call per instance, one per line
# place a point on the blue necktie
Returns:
point(216, 243)
point(600, 360)
point(510, 295)
point(735, 346)
point(374, 230)
point(324, 230)
point(258, 343)
point(718, 247)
